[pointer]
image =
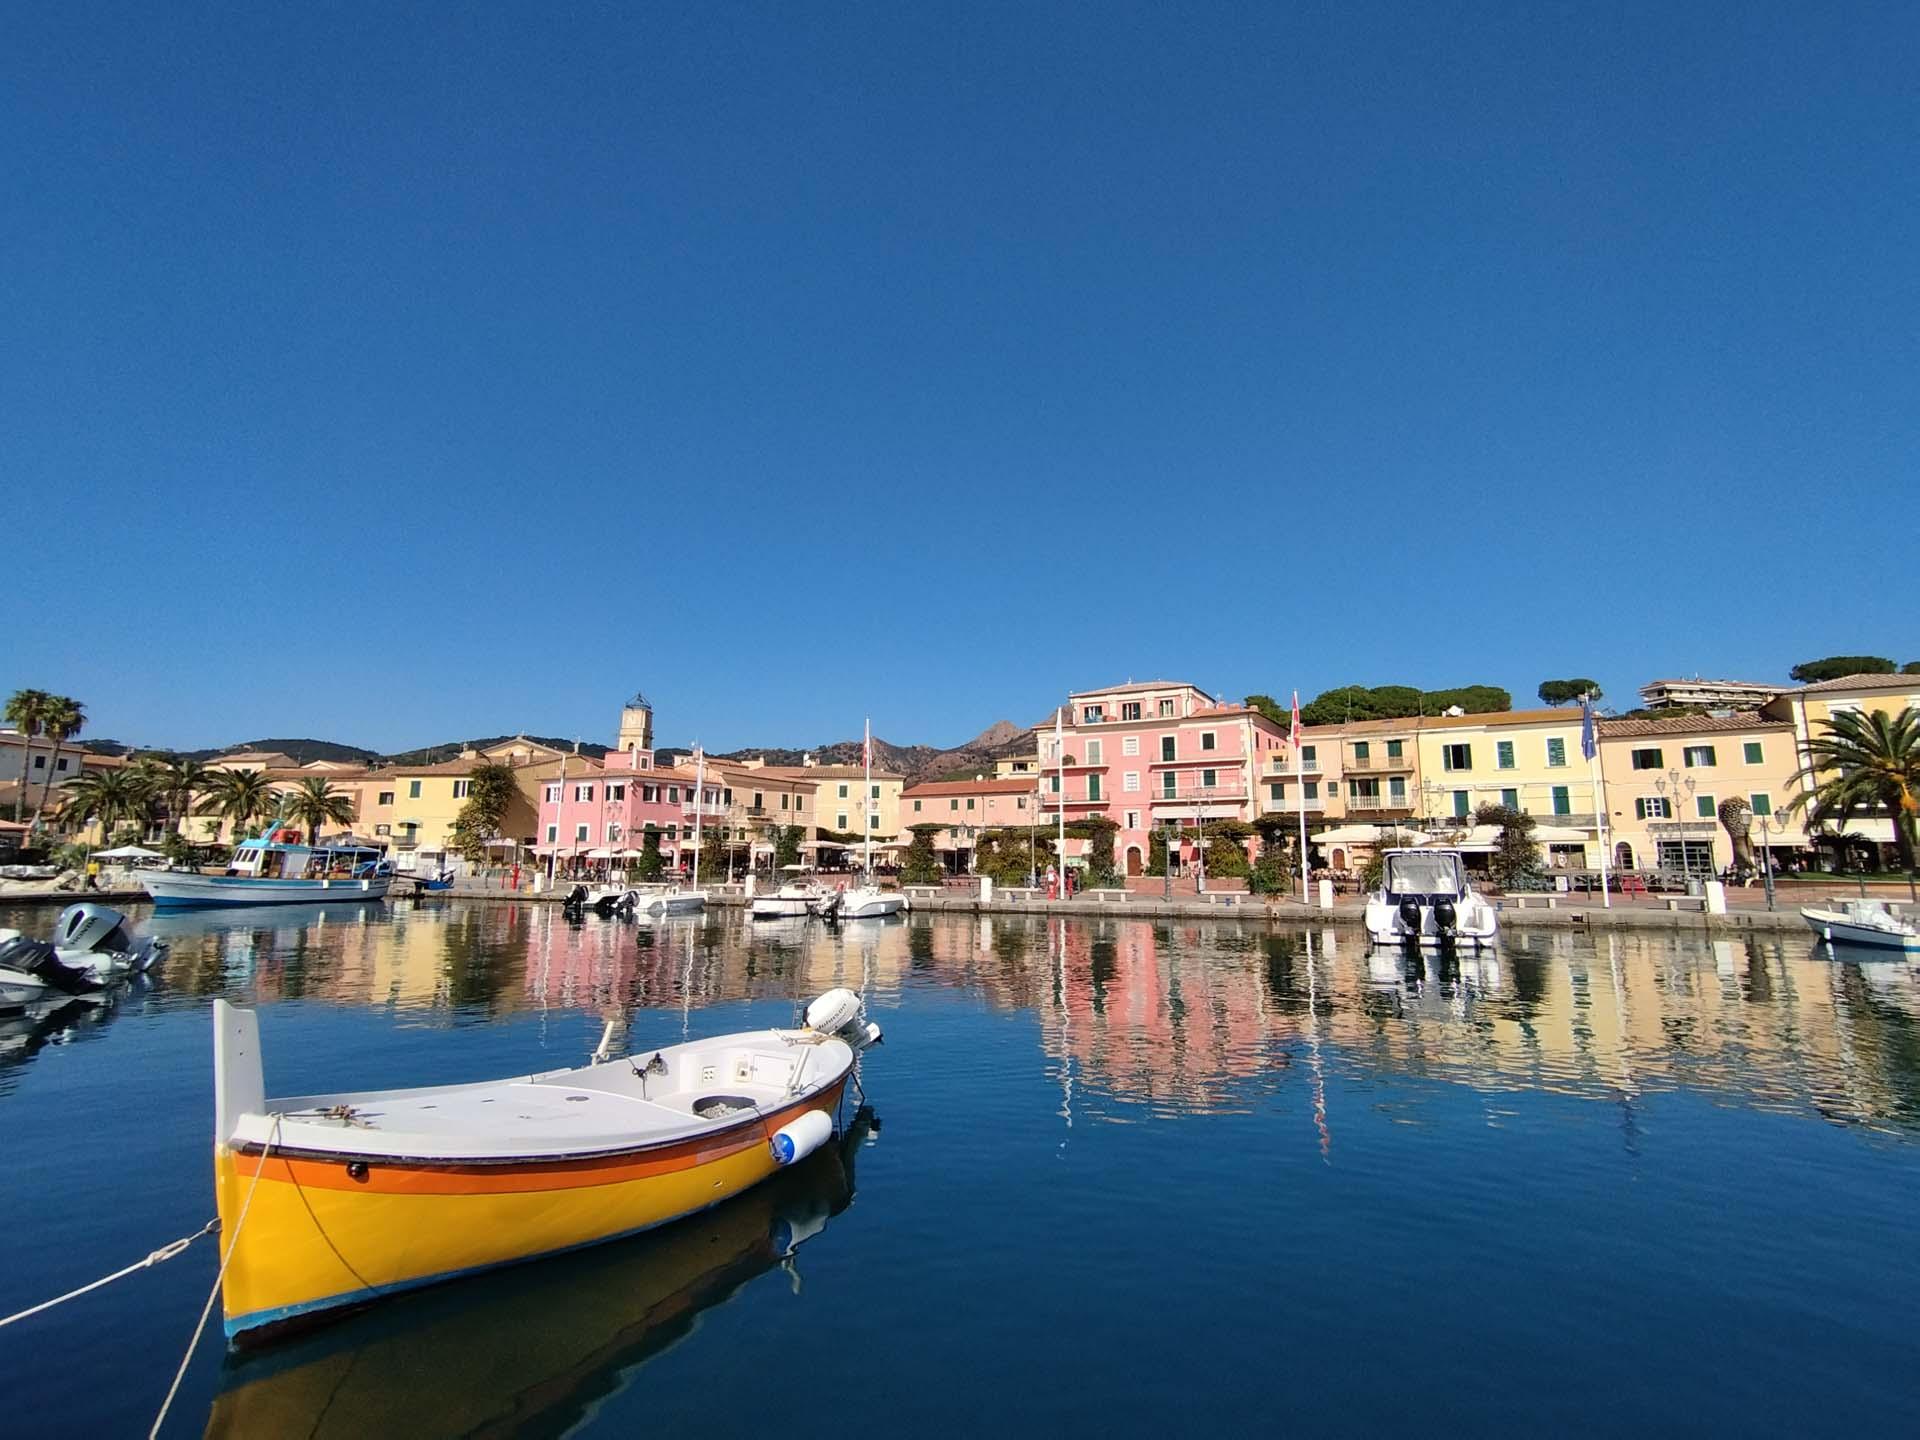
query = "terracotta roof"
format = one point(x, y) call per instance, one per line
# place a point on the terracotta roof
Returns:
point(1859, 682)
point(825, 772)
point(1019, 785)
point(1623, 728)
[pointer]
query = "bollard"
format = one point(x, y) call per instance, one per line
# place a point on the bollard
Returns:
point(1326, 894)
point(986, 889)
point(1716, 898)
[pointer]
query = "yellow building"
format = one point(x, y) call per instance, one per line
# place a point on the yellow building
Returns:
point(426, 800)
point(1665, 780)
point(1811, 708)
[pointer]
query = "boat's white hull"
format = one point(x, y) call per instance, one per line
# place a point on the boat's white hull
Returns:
point(1476, 930)
point(871, 904)
point(780, 907)
point(1840, 930)
point(681, 902)
point(18, 989)
point(173, 889)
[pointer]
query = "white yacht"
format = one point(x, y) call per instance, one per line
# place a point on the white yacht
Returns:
point(1425, 899)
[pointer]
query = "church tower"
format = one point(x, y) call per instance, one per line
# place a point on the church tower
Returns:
point(636, 725)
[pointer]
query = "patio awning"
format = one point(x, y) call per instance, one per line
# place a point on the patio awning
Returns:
point(1369, 835)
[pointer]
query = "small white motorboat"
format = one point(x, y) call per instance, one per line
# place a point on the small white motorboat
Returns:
point(676, 900)
point(1425, 899)
point(791, 901)
point(91, 945)
point(1864, 922)
point(870, 902)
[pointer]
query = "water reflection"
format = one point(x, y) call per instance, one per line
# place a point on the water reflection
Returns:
point(1139, 1017)
point(536, 1348)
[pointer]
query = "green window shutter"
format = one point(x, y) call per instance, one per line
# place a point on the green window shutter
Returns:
point(1503, 754)
point(1556, 752)
point(1703, 806)
point(1460, 809)
point(1753, 752)
point(1640, 807)
point(1562, 801)
point(1510, 799)
point(1762, 803)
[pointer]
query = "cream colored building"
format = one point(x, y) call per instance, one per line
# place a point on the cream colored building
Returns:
point(1811, 708)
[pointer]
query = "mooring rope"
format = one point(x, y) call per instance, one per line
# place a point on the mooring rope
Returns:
point(233, 1242)
point(165, 1252)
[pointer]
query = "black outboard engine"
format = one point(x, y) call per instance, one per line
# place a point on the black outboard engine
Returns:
point(576, 902)
point(37, 957)
point(1446, 919)
point(1410, 919)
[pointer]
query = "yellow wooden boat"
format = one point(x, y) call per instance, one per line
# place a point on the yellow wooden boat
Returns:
point(331, 1201)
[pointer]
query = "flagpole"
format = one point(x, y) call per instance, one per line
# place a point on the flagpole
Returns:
point(699, 799)
point(866, 798)
point(1590, 742)
point(1300, 797)
point(1060, 755)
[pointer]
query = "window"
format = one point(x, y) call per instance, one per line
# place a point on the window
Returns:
point(840, 821)
point(1556, 752)
point(872, 820)
point(1311, 788)
point(1652, 807)
point(1456, 757)
point(1095, 752)
point(1647, 760)
point(553, 833)
point(1129, 709)
point(1753, 755)
point(583, 792)
point(1166, 708)
point(60, 765)
point(461, 788)
point(916, 807)
point(1133, 819)
point(1167, 784)
point(386, 796)
point(799, 801)
point(1393, 749)
point(1093, 787)
point(388, 830)
point(759, 800)
point(1562, 801)
point(1166, 747)
point(1762, 803)
point(1361, 751)
point(1703, 806)
point(673, 794)
point(613, 833)
point(843, 792)
point(1460, 809)
point(1206, 739)
point(1130, 745)
point(617, 792)
point(413, 789)
point(1510, 799)
point(39, 762)
point(1276, 793)
point(953, 804)
point(1333, 787)
point(1503, 755)
point(649, 794)
point(1019, 802)
point(1053, 782)
point(1697, 755)
point(1130, 781)
point(969, 802)
point(1209, 779)
point(673, 830)
point(1397, 790)
point(1309, 756)
point(579, 832)
point(876, 792)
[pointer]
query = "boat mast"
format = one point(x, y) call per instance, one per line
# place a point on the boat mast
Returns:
point(866, 802)
point(699, 796)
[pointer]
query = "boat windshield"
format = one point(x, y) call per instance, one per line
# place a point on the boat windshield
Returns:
point(1437, 873)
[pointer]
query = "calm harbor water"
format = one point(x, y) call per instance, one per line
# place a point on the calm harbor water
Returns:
point(1122, 1176)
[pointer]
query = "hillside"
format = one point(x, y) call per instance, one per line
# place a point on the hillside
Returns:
point(915, 762)
point(301, 750)
point(429, 754)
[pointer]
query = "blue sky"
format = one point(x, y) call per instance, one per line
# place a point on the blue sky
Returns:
point(394, 374)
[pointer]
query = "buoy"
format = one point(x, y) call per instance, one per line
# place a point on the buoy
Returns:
point(796, 1141)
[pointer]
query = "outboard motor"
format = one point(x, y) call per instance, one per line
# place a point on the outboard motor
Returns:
point(841, 1013)
point(1445, 919)
point(576, 902)
point(37, 958)
point(1410, 918)
point(92, 928)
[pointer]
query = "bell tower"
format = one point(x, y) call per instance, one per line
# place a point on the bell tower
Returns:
point(636, 725)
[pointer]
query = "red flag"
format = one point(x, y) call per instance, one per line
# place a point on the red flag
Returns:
point(1294, 737)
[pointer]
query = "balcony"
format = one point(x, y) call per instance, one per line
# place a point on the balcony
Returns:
point(1378, 804)
point(1279, 769)
point(1380, 764)
point(1230, 790)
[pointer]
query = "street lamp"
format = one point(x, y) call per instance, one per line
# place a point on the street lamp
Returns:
point(1771, 824)
point(1671, 789)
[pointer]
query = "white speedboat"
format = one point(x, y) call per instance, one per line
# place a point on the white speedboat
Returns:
point(1864, 922)
point(674, 901)
point(91, 945)
point(791, 901)
point(277, 870)
point(1425, 899)
point(870, 902)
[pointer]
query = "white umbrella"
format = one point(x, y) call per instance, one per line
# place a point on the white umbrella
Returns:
point(1559, 834)
point(129, 852)
point(600, 852)
point(1366, 835)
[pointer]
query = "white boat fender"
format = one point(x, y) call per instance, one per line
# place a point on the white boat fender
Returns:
point(798, 1139)
point(834, 1011)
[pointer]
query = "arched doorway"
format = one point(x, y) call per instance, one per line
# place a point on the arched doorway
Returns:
point(1623, 856)
point(1339, 858)
point(1135, 863)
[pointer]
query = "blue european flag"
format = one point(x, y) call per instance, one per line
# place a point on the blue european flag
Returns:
point(1587, 746)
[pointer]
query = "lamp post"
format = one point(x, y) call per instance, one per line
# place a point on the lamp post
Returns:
point(1771, 824)
point(1671, 791)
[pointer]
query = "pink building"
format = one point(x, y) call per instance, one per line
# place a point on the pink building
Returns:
point(963, 808)
point(606, 807)
point(1156, 755)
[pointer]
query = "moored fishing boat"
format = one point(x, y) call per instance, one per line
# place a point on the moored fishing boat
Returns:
point(1869, 923)
point(331, 1201)
point(275, 869)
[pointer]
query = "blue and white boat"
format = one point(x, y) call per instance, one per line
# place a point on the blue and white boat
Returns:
point(275, 870)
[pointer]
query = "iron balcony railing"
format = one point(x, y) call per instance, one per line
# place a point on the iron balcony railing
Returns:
point(1383, 763)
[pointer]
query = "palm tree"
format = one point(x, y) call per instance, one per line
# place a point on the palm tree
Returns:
point(65, 718)
point(241, 796)
point(1867, 760)
point(27, 713)
point(176, 782)
point(108, 796)
point(314, 803)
